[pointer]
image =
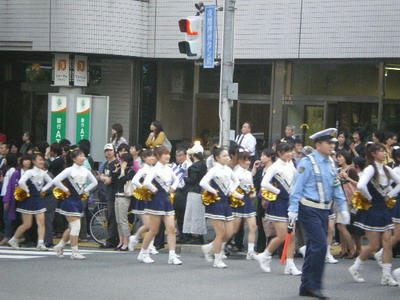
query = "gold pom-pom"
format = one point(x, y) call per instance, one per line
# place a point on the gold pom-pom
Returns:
point(236, 202)
point(59, 194)
point(391, 203)
point(267, 195)
point(142, 194)
point(360, 202)
point(171, 197)
point(20, 194)
point(42, 194)
point(84, 196)
point(209, 198)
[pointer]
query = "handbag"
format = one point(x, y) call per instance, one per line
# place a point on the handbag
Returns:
point(128, 188)
point(349, 189)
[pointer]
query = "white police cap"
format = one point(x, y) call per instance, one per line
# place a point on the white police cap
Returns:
point(328, 135)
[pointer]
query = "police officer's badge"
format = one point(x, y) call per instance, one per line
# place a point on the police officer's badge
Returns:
point(301, 170)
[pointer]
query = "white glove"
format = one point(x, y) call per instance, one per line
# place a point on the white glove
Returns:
point(292, 217)
point(345, 216)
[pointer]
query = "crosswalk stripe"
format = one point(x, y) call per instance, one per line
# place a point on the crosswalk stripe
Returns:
point(5, 256)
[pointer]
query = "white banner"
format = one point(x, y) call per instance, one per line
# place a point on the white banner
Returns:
point(80, 70)
point(61, 70)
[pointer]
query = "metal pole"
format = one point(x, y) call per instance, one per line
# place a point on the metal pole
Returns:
point(227, 67)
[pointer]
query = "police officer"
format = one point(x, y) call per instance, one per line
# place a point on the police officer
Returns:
point(316, 185)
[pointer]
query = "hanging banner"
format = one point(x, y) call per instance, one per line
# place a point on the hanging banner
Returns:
point(61, 70)
point(80, 70)
point(209, 36)
point(82, 118)
point(58, 118)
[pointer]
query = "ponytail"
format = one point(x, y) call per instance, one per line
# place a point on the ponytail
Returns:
point(71, 155)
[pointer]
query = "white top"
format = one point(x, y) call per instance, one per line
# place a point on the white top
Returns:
point(223, 177)
point(248, 142)
point(141, 173)
point(368, 174)
point(38, 178)
point(210, 162)
point(286, 170)
point(78, 177)
point(245, 180)
point(164, 176)
point(6, 179)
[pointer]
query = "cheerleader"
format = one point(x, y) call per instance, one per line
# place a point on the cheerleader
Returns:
point(162, 182)
point(279, 179)
point(221, 182)
point(375, 186)
point(147, 156)
point(74, 182)
point(245, 192)
point(33, 182)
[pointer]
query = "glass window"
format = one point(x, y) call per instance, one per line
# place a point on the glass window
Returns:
point(392, 81)
point(335, 79)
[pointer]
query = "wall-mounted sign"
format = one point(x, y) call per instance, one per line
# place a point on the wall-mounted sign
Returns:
point(82, 118)
point(80, 70)
point(58, 118)
point(61, 70)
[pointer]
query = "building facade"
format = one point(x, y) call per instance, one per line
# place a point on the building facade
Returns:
point(311, 62)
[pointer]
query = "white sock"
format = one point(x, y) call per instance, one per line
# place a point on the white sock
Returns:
point(40, 242)
point(328, 251)
point(386, 269)
point(267, 253)
point(358, 263)
point(146, 251)
point(289, 262)
point(151, 245)
point(74, 249)
point(61, 243)
point(380, 252)
point(172, 253)
point(250, 247)
point(13, 239)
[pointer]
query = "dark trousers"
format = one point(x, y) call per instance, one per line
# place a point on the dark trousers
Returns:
point(314, 223)
point(112, 223)
point(9, 225)
point(180, 207)
point(261, 238)
point(50, 203)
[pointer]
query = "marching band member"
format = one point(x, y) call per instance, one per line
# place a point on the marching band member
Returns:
point(245, 193)
point(375, 219)
point(148, 159)
point(219, 182)
point(162, 182)
point(315, 186)
point(279, 179)
point(34, 182)
point(73, 181)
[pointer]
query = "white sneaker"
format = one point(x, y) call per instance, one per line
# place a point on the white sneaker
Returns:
point(378, 257)
point(132, 243)
point(329, 259)
point(251, 255)
point(153, 251)
point(59, 251)
point(77, 256)
point(396, 274)
point(356, 274)
point(264, 262)
point(389, 280)
point(42, 247)
point(13, 243)
point(174, 260)
point(147, 259)
point(292, 270)
point(302, 251)
point(218, 262)
point(207, 251)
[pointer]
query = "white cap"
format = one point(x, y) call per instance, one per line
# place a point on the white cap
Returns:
point(328, 135)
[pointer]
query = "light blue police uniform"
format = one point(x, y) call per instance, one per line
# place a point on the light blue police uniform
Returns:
point(315, 186)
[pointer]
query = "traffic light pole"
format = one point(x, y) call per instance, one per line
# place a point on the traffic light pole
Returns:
point(226, 79)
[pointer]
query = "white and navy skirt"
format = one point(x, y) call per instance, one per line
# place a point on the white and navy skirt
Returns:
point(278, 210)
point(31, 206)
point(377, 218)
point(71, 206)
point(220, 209)
point(160, 205)
point(139, 206)
point(395, 212)
point(245, 211)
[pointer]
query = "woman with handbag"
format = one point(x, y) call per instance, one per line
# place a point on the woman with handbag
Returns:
point(123, 198)
point(157, 137)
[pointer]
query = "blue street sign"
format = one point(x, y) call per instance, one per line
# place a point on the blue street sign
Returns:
point(209, 36)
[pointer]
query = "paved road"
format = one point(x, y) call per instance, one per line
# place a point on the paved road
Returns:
point(116, 275)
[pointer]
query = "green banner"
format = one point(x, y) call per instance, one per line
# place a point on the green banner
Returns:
point(58, 118)
point(82, 118)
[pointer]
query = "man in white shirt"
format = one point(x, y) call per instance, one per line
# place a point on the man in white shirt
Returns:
point(246, 140)
point(290, 133)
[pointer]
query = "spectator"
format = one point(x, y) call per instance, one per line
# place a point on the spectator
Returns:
point(290, 133)
point(56, 161)
point(84, 146)
point(122, 149)
point(298, 146)
point(116, 135)
point(390, 139)
point(135, 151)
point(157, 136)
point(246, 140)
point(378, 136)
point(357, 147)
point(13, 147)
point(26, 142)
point(341, 144)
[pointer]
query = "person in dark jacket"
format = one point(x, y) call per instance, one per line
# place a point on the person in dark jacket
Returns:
point(194, 222)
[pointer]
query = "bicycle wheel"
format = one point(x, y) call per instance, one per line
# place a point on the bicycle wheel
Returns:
point(99, 225)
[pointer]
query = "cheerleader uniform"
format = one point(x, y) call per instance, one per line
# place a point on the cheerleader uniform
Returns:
point(75, 178)
point(137, 182)
point(246, 185)
point(222, 179)
point(395, 211)
point(33, 182)
point(278, 179)
point(377, 218)
point(159, 180)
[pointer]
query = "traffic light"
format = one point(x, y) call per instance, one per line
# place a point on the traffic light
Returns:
point(192, 46)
